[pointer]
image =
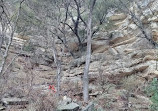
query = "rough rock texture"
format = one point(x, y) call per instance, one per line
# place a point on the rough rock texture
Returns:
point(117, 17)
point(121, 100)
point(122, 54)
point(68, 107)
point(14, 101)
point(126, 53)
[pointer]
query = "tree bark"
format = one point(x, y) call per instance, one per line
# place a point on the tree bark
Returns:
point(58, 64)
point(56, 60)
point(88, 55)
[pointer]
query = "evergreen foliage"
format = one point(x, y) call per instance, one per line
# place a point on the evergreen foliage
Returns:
point(152, 91)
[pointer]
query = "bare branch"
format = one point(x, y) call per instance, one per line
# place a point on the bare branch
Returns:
point(10, 40)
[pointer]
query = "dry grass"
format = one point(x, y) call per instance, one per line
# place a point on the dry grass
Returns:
point(20, 85)
point(132, 83)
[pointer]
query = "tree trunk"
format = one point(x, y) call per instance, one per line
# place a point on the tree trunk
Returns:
point(88, 56)
point(58, 64)
point(1, 41)
point(56, 60)
point(6, 25)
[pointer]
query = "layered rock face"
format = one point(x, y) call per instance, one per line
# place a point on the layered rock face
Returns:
point(124, 54)
point(117, 54)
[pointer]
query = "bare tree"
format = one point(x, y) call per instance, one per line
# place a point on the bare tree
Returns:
point(75, 5)
point(76, 11)
point(50, 17)
point(8, 28)
point(57, 59)
point(52, 10)
point(88, 55)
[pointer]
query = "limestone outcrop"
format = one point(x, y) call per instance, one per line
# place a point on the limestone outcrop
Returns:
point(117, 54)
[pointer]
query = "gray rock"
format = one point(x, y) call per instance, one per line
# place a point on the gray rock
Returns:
point(2, 107)
point(89, 107)
point(14, 101)
point(66, 101)
point(69, 107)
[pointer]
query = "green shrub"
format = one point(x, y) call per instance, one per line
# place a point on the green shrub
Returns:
point(152, 91)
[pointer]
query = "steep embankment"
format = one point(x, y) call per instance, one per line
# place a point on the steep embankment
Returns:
point(122, 63)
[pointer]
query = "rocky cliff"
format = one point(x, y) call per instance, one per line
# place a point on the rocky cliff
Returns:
point(123, 61)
